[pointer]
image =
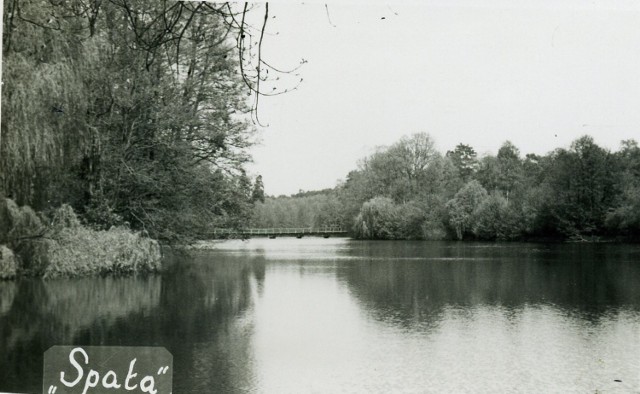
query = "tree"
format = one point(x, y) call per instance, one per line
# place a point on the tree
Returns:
point(401, 171)
point(258, 190)
point(502, 173)
point(464, 158)
point(509, 167)
point(379, 218)
point(488, 173)
point(463, 205)
point(43, 99)
point(130, 111)
point(624, 217)
point(495, 218)
point(532, 169)
point(581, 184)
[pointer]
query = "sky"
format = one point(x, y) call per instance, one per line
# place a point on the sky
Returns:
point(538, 73)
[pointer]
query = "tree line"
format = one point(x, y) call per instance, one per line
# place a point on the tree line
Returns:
point(133, 112)
point(409, 190)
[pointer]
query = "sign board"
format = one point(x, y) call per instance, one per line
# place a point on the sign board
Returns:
point(107, 369)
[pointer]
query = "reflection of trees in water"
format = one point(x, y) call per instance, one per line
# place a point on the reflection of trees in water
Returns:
point(589, 280)
point(46, 313)
point(7, 293)
point(206, 301)
point(191, 310)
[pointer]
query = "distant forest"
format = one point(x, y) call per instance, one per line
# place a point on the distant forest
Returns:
point(411, 191)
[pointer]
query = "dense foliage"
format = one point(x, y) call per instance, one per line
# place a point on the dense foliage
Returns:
point(411, 191)
point(59, 245)
point(131, 111)
point(315, 210)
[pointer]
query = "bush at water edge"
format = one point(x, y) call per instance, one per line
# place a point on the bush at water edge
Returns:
point(7, 263)
point(64, 247)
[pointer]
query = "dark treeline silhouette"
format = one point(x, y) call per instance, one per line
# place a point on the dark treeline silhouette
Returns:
point(411, 191)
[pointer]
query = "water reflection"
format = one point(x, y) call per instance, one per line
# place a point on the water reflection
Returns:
point(590, 280)
point(206, 321)
point(7, 294)
point(191, 310)
point(446, 317)
point(316, 315)
point(43, 313)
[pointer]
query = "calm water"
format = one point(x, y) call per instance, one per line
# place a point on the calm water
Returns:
point(334, 315)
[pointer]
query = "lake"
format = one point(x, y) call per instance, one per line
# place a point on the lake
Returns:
point(335, 315)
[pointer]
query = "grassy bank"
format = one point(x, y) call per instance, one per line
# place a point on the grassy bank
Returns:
point(58, 245)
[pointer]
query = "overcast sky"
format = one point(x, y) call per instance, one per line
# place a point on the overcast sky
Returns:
point(538, 73)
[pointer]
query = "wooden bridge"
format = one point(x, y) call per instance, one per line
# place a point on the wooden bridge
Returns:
point(297, 232)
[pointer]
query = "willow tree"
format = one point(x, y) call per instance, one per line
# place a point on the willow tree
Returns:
point(44, 98)
point(462, 206)
point(130, 110)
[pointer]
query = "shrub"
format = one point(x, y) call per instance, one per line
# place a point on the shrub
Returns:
point(23, 231)
point(79, 251)
point(67, 248)
point(99, 214)
point(18, 223)
point(381, 218)
point(625, 219)
point(410, 221)
point(461, 207)
point(377, 219)
point(8, 264)
point(33, 255)
point(434, 229)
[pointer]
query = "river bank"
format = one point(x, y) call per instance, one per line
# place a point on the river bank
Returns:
point(59, 245)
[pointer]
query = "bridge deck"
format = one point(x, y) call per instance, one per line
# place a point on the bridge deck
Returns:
point(282, 231)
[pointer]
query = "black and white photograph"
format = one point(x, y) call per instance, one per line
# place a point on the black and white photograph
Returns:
point(400, 196)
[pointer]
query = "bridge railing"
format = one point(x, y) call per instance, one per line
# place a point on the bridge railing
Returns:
point(280, 230)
